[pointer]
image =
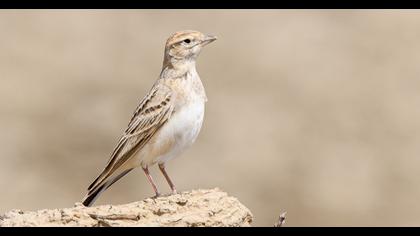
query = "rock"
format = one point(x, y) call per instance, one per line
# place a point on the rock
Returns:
point(203, 207)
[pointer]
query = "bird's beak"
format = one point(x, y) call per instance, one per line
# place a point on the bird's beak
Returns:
point(208, 39)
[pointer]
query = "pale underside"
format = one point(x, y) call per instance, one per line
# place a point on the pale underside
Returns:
point(166, 122)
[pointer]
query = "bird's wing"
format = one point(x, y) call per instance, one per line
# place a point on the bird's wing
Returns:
point(152, 112)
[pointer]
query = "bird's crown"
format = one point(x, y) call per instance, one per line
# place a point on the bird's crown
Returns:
point(183, 35)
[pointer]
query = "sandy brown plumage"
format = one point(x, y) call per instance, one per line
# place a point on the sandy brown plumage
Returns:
point(166, 121)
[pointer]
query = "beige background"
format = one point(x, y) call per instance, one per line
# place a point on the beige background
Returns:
point(312, 112)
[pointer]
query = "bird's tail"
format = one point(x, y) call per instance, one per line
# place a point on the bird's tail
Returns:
point(93, 194)
point(91, 197)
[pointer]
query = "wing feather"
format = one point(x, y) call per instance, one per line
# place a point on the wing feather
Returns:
point(152, 112)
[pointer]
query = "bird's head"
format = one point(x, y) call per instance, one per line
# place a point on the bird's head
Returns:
point(185, 46)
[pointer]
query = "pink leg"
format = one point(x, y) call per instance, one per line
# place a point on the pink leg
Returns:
point(162, 168)
point(149, 177)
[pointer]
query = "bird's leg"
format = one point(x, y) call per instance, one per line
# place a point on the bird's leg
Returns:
point(162, 168)
point(149, 177)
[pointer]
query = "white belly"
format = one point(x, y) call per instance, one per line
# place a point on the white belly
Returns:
point(175, 136)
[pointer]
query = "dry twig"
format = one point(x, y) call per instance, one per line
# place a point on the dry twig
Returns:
point(281, 221)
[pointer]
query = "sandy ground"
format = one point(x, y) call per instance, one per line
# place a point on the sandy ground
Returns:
point(311, 112)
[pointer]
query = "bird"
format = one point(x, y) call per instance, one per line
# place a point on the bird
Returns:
point(167, 120)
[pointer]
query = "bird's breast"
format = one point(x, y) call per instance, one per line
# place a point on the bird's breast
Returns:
point(181, 130)
point(185, 124)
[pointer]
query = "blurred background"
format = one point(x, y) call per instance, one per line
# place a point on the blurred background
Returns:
point(313, 112)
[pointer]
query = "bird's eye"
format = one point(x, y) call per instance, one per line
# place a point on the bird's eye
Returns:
point(187, 41)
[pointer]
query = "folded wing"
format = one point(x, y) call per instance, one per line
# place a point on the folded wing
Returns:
point(153, 111)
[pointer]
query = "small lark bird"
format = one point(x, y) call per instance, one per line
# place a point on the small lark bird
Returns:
point(167, 120)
